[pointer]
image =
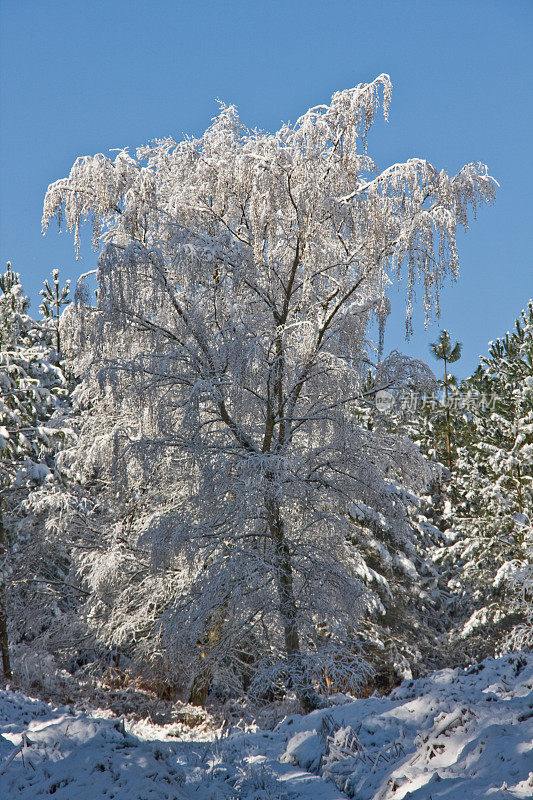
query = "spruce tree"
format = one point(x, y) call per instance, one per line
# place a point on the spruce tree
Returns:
point(406, 620)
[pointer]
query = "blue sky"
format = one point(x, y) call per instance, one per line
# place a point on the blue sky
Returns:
point(83, 77)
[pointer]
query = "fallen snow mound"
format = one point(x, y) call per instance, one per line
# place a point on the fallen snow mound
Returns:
point(453, 735)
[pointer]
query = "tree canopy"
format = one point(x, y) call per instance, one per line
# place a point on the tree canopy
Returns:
point(238, 281)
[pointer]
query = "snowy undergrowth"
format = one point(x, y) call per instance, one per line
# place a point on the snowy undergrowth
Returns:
point(452, 735)
point(57, 751)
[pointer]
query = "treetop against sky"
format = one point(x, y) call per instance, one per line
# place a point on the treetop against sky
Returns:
point(79, 79)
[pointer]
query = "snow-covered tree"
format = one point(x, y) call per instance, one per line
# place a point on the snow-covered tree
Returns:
point(493, 486)
point(518, 575)
point(407, 616)
point(240, 274)
point(31, 389)
point(54, 298)
point(443, 351)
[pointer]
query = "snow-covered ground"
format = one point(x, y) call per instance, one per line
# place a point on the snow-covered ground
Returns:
point(454, 735)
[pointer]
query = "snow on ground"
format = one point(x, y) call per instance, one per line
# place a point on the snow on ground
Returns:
point(453, 735)
point(57, 751)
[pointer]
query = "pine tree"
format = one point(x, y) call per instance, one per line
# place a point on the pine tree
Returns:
point(31, 389)
point(54, 299)
point(406, 619)
point(443, 351)
point(493, 482)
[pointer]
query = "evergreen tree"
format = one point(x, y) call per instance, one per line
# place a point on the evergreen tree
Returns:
point(493, 479)
point(407, 620)
point(54, 299)
point(31, 390)
point(13, 307)
point(443, 351)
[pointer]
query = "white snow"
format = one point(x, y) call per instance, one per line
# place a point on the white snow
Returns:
point(453, 735)
point(456, 734)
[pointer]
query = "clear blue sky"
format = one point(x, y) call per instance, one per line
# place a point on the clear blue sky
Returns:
point(81, 77)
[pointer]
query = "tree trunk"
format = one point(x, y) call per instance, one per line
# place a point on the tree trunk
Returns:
point(200, 689)
point(287, 602)
point(519, 489)
point(448, 425)
point(202, 681)
point(4, 644)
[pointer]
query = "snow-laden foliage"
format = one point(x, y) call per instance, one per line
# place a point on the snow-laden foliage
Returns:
point(32, 391)
point(30, 386)
point(491, 493)
point(54, 298)
point(518, 575)
point(406, 628)
point(240, 274)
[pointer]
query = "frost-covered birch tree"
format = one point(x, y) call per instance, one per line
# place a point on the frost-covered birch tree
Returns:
point(239, 277)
